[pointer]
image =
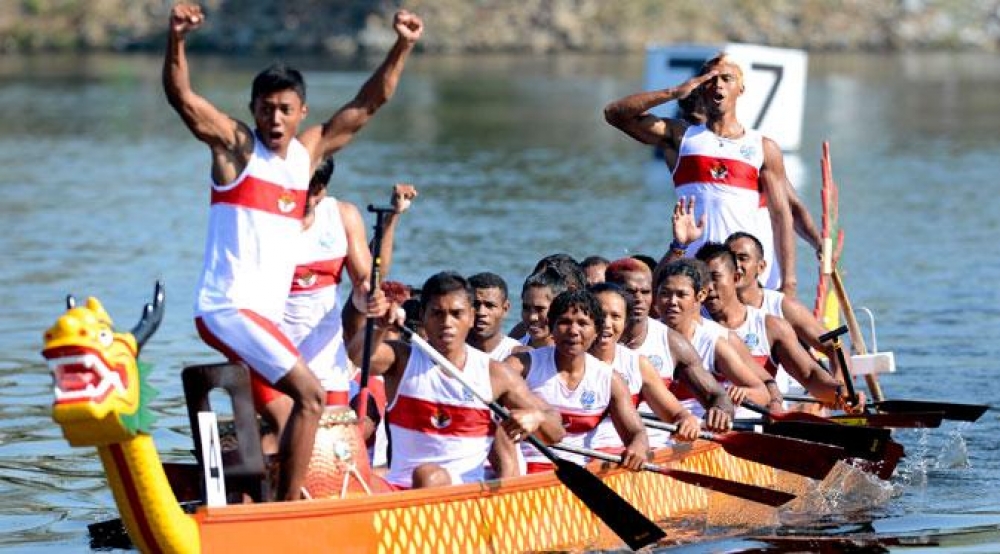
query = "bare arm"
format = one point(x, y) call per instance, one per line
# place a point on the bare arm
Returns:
point(359, 261)
point(664, 404)
point(321, 141)
point(743, 377)
point(402, 196)
point(689, 370)
point(773, 181)
point(799, 364)
point(528, 413)
point(802, 220)
point(628, 424)
point(775, 399)
point(631, 114)
point(231, 142)
point(808, 330)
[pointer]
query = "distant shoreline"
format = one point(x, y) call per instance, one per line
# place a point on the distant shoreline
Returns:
point(350, 28)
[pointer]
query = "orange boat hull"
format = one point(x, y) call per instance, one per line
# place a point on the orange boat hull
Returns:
point(528, 513)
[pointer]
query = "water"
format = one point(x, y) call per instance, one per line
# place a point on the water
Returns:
point(104, 192)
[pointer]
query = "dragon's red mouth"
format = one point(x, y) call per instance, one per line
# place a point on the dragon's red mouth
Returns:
point(79, 375)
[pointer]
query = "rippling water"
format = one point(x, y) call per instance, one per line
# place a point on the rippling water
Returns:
point(104, 192)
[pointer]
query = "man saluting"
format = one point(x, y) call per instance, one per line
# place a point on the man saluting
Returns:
point(260, 178)
point(728, 170)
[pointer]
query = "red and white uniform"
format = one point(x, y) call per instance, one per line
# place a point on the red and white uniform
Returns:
point(312, 317)
point(581, 409)
point(254, 226)
point(626, 365)
point(771, 303)
point(656, 347)
point(434, 419)
point(723, 176)
point(502, 350)
point(753, 333)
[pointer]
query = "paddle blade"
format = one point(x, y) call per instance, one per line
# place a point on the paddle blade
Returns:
point(628, 523)
point(957, 412)
point(863, 442)
point(896, 420)
point(885, 467)
point(810, 459)
point(761, 495)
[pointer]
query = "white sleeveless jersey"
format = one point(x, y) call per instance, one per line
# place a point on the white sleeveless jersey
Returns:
point(254, 225)
point(723, 176)
point(502, 350)
point(435, 419)
point(753, 333)
point(312, 318)
point(772, 302)
point(581, 409)
point(626, 365)
point(656, 348)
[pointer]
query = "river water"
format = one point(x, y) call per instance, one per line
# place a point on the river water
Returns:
point(104, 192)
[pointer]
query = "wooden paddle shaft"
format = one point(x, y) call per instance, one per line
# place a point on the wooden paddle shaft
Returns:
point(857, 339)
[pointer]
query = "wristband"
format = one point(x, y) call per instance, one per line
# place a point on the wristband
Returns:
point(676, 246)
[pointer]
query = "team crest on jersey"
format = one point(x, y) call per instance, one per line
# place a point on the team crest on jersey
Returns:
point(751, 340)
point(306, 280)
point(467, 395)
point(748, 151)
point(657, 362)
point(327, 240)
point(719, 171)
point(440, 419)
point(588, 398)
point(286, 202)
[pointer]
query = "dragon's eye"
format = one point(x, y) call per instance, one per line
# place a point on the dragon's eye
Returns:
point(105, 337)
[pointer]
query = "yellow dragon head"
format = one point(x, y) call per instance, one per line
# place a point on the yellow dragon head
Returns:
point(101, 396)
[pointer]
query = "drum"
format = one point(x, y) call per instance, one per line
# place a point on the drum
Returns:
point(339, 465)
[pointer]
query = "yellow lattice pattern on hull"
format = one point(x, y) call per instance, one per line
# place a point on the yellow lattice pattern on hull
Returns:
point(550, 516)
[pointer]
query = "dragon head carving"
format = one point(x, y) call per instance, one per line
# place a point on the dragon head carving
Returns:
point(101, 395)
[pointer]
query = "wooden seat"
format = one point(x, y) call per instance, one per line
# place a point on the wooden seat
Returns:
point(244, 467)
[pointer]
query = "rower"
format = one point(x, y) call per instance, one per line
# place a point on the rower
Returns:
point(579, 385)
point(671, 354)
point(639, 375)
point(680, 291)
point(491, 307)
point(537, 293)
point(441, 433)
point(750, 263)
point(770, 339)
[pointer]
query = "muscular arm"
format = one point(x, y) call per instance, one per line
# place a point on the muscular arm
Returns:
point(321, 141)
point(231, 142)
point(631, 114)
point(802, 220)
point(729, 361)
point(787, 351)
point(689, 370)
point(808, 330)
point(773, 179)
point(774, 393)
point(628, 424)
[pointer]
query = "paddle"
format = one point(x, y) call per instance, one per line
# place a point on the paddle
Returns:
point(859, 441)
point(761, 495)
point(810, 459)
point(960, 412)
point(625, 520)
point(908, 419)
point(374, 278)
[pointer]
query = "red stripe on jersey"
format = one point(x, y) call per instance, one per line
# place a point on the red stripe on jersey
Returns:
point(722, 171)
point(440, 419)
point(580, 423)
point(256, 194)
point(765, 362)
point(636, 398)
point(317, 275)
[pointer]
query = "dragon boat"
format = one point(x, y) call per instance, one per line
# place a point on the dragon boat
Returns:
point(102, 401)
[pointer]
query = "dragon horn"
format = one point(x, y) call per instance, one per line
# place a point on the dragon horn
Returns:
point(152, 315)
